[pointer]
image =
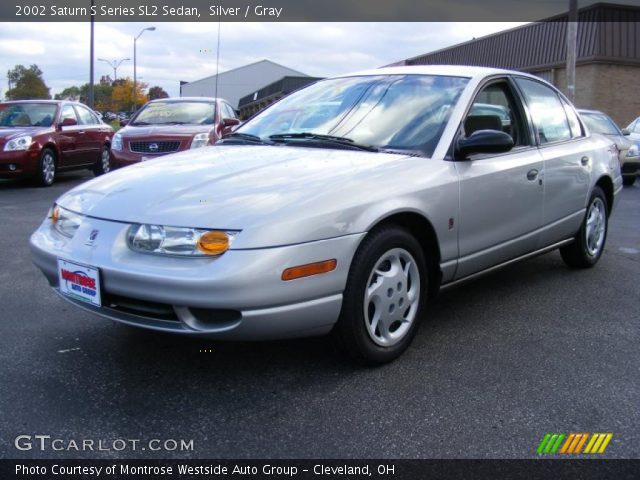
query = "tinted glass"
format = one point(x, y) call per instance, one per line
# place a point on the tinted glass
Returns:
point(27, 114)
point(549, 117)
point(176, 113)
point(400, 112)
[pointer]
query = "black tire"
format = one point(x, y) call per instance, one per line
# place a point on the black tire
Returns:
point(47, 168)
point(351, 333)
point(628, 180)
point(581, 253)
point(103, 165)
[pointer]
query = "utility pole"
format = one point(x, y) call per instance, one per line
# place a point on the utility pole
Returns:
point(572, 40)
point(91, 92)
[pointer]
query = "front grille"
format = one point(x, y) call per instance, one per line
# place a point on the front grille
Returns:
point(143, 308)
point(155, 147)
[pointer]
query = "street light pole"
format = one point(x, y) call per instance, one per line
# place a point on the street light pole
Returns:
point(115, 64)
point(135, 77)
point(91, 91)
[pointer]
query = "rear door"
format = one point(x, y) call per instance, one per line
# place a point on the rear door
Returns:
point(67, 138)
point(501, 195)
point(567, 159)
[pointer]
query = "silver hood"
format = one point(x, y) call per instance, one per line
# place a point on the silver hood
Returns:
point(276, 195)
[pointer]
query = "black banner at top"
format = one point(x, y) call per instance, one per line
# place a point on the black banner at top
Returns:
point(293, 10)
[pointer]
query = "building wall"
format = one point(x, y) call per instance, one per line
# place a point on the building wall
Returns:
point(235, 84)
point(605, 87)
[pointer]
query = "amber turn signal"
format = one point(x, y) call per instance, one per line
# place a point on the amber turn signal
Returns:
point(213, 243)
point(55, 214)
point(309, 269)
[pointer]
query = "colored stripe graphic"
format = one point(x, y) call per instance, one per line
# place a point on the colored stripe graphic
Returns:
point(573, 443)
point(598, 443)
point(550, 443)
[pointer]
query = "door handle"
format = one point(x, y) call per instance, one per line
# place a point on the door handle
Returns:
point(584, 161)
point(532, 174)
point(82, 132)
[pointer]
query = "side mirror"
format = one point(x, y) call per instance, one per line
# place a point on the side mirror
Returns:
point(485, 141)
point(124, 123)
point(626, 132)
point(68, 122)
point(228, 124)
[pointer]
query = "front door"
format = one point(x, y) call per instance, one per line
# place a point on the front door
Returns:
point(501, 196)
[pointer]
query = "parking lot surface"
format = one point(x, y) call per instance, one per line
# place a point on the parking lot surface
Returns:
point(499, 362)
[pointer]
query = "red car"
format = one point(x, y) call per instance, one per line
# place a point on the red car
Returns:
point(39, 138)
point(171, 125)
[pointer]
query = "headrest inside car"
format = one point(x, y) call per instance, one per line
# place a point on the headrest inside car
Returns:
point(474, 123)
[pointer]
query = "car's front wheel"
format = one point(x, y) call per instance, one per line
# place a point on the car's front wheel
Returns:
point(588, 246)
point(385, 297)
point(46, 168)
point(104, 163)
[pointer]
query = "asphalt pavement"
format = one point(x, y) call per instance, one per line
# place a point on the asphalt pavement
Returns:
point(499, 362)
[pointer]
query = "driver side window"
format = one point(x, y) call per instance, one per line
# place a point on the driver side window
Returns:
point(494, 109)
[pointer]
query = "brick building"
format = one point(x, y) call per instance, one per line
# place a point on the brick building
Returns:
point(607, 65)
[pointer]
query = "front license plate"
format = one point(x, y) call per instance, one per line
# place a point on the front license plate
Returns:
point(79, 281)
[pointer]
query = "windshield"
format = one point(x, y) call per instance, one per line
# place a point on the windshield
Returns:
point(599, 123)
point(172, 113)
point(27, 114)
point(394, 112)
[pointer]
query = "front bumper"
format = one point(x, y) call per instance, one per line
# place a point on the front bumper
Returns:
point(18, 164)
point(631, 166)
point(237, 296)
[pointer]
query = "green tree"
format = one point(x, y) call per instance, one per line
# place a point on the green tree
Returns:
point(157, 92)
point(69, 93)
point(26, 83)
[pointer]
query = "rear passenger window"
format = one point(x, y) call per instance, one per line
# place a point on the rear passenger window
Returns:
point(548, 113)
point(574, 123)
point(86, 118)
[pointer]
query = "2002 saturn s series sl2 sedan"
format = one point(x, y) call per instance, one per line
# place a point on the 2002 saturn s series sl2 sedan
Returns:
point(342, 208)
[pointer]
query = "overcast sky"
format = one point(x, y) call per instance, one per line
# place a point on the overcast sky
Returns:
point(187, 51)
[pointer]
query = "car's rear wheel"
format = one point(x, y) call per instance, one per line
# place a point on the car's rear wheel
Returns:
point(385, 297)
point(588, 246)
point(46, 168)
point(104, 163)
point(628, 180)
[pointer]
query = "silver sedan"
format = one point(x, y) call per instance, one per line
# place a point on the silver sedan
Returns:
point(342, 209)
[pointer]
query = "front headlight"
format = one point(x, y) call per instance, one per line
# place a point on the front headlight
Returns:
point(18, 143)
point(200, 140)
point(179, 241)
point(65, 221)
point(633, 151)
point(116, 142)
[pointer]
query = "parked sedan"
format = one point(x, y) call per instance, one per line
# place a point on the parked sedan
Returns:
point(342, 208)
point(39, 138)
point(171, 125)
point(628, 151)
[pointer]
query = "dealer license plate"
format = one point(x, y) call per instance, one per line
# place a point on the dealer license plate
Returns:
point(81, 282)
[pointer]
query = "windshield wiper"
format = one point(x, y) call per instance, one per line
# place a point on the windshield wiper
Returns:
point(239, 138)
point(140, 123)
point(320, 138)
